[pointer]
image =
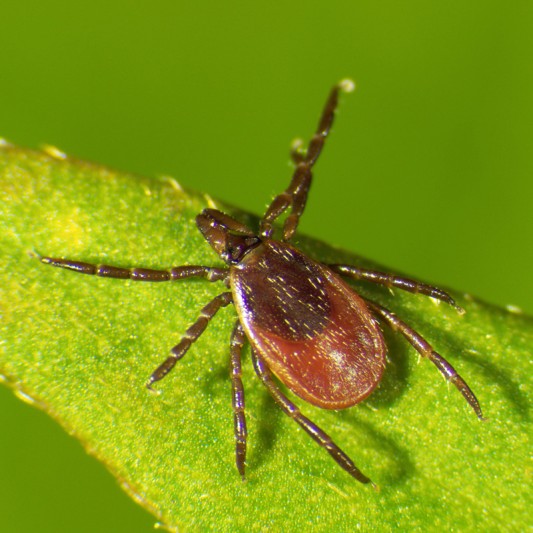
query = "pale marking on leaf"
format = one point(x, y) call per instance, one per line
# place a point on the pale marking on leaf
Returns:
point(173, 183)
point(210, 202)
point(337, 490)
point(54, 152)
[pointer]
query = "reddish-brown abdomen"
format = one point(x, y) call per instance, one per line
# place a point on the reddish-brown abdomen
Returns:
point(315, 333)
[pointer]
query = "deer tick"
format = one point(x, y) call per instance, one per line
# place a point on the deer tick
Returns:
point(305, 324)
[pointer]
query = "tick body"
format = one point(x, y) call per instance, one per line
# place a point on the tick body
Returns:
point(306, 326)
point(314, 332)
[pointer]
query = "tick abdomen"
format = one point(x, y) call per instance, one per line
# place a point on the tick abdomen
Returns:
point(316, 334)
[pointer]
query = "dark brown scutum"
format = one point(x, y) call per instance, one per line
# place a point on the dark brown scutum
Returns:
point(283, 291)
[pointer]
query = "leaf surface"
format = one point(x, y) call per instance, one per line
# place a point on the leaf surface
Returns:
point(82, 347)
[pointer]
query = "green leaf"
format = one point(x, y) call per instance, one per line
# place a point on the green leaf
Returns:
point(82, 347)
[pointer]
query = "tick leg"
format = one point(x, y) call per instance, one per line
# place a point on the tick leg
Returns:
point(297, 152)
point(237, 341)
point(226, 220)
point(391, 280)
point(426, 350)
point(139, 274)
point(295, 196)
point(311, 428)
point(206, 314)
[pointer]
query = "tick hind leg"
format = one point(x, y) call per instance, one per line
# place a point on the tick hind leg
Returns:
point(426, 350)
point(295, 196)
point(288, 407)
point(391, 280)
point(191, 335)
point(237, 342)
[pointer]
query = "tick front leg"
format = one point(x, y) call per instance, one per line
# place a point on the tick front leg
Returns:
point(426, 350)
point(191, 335)
point(321, 437)
point(236, 344)
point(391, 280)
point(139, 274)
point(295, 196)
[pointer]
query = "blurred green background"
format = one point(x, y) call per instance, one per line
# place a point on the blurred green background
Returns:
point(428, 170)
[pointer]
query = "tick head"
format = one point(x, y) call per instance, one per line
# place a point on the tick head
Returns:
point(230, 239)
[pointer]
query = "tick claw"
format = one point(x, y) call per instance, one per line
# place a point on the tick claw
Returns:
point(153, 391)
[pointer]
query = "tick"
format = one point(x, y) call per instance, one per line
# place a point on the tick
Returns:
point(306, 326)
